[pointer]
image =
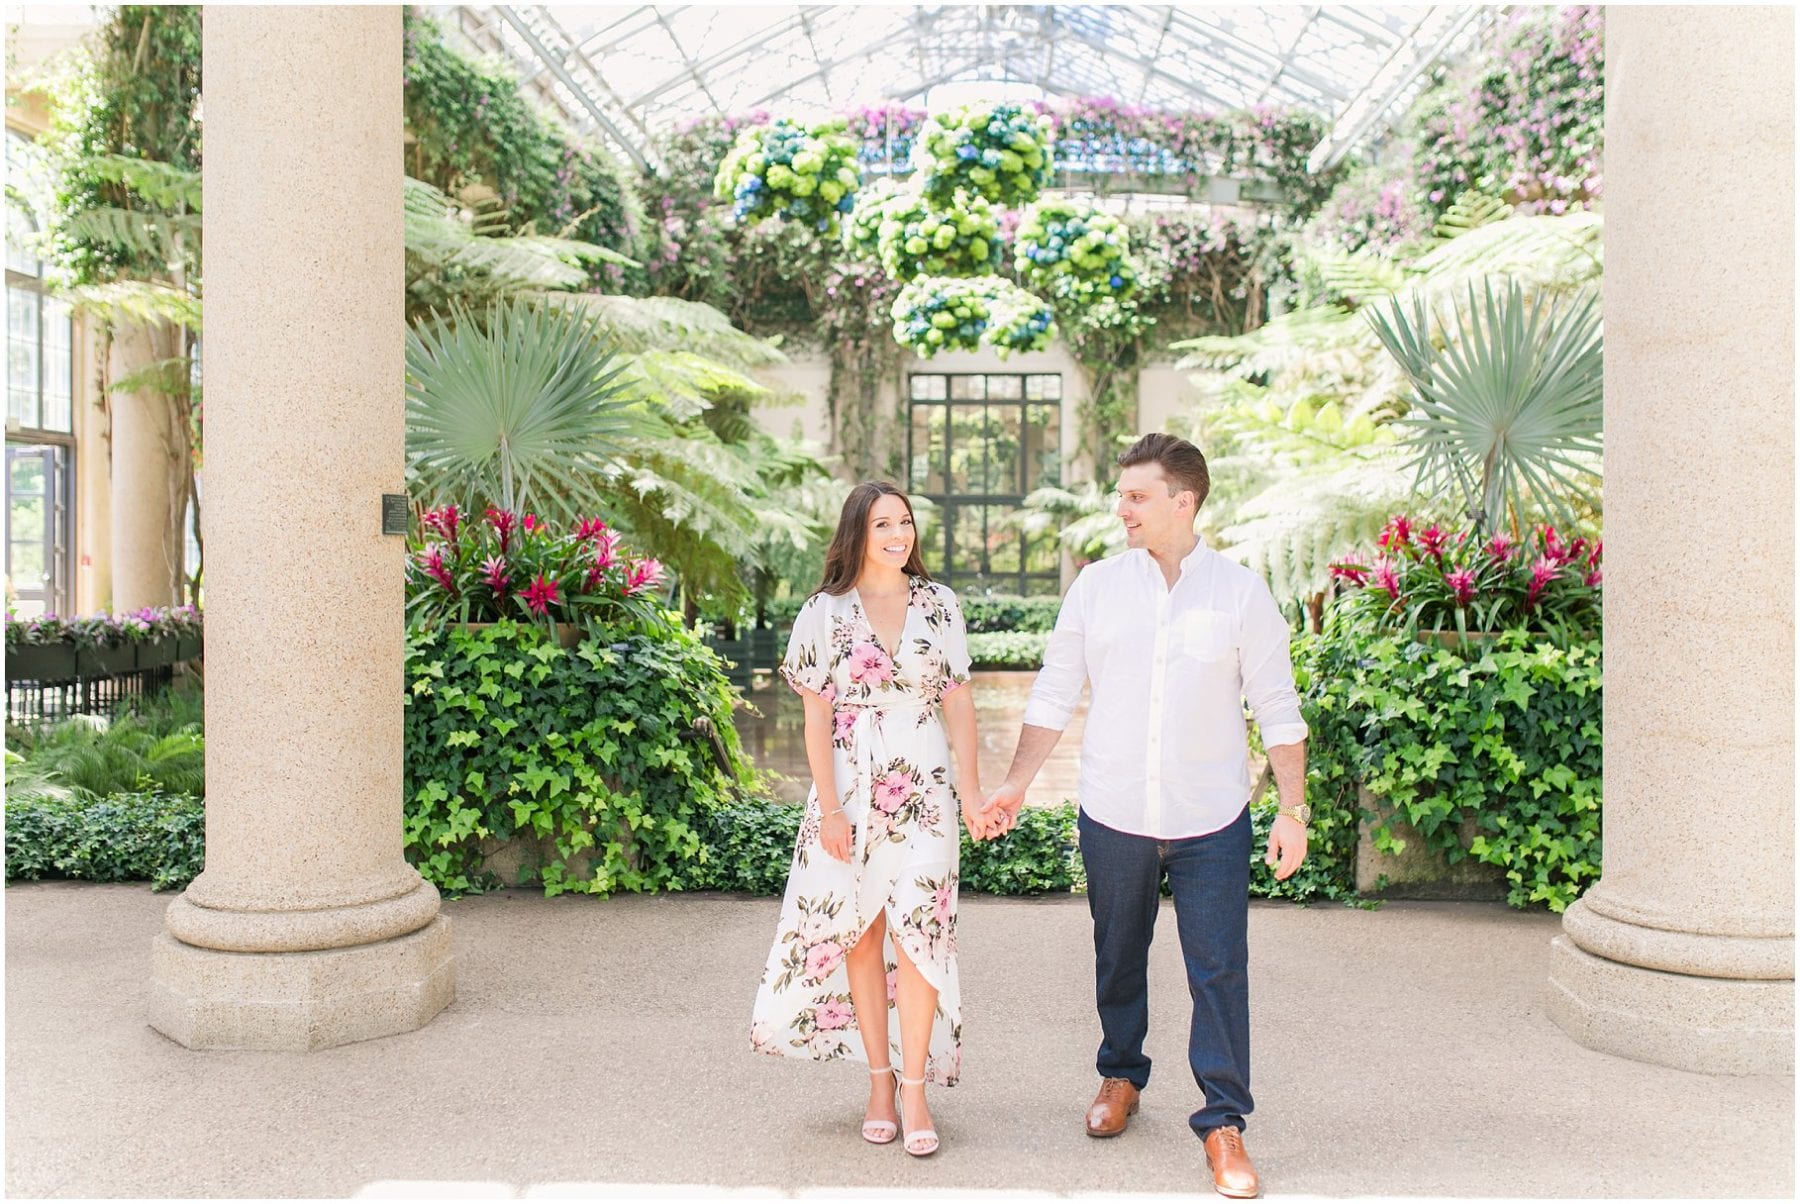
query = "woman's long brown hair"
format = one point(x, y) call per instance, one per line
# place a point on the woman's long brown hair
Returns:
point(844, 558)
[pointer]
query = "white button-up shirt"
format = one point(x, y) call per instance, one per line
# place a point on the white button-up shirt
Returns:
point(1166, 751)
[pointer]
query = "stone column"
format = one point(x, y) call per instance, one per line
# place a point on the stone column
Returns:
point(1683, 952)
point(148, 538)
point(308, 928)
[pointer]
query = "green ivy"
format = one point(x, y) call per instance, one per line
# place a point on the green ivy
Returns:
point(1504, 733)
point(119, 838)
point(471, 123)
point(594, 749)
point(1007, 649)
point(136, 96)
point(1009, 612)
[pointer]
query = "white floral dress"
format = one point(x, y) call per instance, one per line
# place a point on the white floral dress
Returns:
point(891, 759)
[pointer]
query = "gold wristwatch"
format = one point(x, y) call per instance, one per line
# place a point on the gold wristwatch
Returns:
point(1299, 811)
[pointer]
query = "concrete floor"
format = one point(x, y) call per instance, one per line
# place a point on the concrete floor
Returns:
point(599, 1048)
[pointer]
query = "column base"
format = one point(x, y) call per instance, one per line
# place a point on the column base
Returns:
point(1708, 1025)
point(299, 1002)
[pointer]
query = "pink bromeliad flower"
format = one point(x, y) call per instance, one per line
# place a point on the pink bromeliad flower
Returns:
point(870, 665)
point(531, 523)
point(1354, 574)
point(892, 792)
point(1542, 574)
point(540, 594)
point(445, 520)
point(1592, 579)
point(503, 522)
point(588, 528)
point(1397, 534)
point(1434, 540)
point(604, 542)
point(432, 559)
point(1462, 585)
point(1500, 548)
point(644, 574)
point(1558, 552)
point(1386, 578)
point(493, 571)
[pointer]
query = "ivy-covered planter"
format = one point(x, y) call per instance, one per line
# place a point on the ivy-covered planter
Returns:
point(1487, 753)
point(583, 769)
point(40, 662)
point(1394, 860)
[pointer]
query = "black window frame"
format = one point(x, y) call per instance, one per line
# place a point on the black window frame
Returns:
point(1020, 581)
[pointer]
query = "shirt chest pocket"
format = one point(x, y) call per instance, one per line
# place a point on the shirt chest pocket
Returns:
point(1206, 635)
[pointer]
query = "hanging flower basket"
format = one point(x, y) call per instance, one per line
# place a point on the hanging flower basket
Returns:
point(787, 170)
point(936, 313)
point(917, 238)
point(1074, 252)
point(998, 152)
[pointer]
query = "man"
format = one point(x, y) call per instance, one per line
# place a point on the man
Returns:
point(1172, 637)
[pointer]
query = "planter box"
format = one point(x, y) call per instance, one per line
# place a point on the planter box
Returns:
point(187, 648)
point(1418, 871)
point(156, 654)
point(106, 662)
point(41, 662)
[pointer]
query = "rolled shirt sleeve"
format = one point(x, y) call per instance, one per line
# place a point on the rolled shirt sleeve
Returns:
point(1268, 672)
point(1058, 687)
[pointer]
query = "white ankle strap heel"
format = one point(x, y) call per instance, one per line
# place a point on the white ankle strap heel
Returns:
point(880, 1132)
point(920, 1143)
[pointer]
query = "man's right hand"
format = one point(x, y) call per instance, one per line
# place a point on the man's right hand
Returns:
point(1002, 808)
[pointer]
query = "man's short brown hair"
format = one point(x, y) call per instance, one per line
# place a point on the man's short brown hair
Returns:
point(1180, 461)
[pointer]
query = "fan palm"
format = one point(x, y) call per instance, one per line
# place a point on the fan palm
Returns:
point(522, 408)
point(1509, 408)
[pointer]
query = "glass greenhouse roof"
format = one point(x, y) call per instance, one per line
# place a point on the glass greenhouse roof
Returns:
point(626, 73)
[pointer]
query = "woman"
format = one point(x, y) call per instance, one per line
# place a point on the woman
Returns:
point(876, 653)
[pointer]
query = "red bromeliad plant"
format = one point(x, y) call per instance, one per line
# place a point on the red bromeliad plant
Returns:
point(1435, 580)
point(464, 569)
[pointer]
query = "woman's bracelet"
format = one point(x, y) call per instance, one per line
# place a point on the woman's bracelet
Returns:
point(824, 814)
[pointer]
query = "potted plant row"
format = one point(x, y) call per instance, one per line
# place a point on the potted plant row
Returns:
point(50, 648)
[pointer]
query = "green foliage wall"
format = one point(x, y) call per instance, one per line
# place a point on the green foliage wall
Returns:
point(468, 123)
point(593, 750)
point(136, 97)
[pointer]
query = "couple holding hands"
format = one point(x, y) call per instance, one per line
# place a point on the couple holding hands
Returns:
point(1172, 639)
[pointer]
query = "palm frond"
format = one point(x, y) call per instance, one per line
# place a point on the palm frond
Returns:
point(135, 301)
point(1470, 211)
point(157, 236)
point(1509, 402)
point(170, 377)
point(688, 385)
point(639, 324)
point(1358, 275)
point(520, 409)
point(1294, 529)
point(162, 184)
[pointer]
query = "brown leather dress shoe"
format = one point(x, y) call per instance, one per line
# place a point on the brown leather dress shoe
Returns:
point(1231, 1170)
point(1113, 1108)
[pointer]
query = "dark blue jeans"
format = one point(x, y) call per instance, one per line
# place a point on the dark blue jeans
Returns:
point(1210, 879)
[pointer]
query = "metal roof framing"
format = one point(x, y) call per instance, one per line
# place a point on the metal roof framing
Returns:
point(626, 77)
